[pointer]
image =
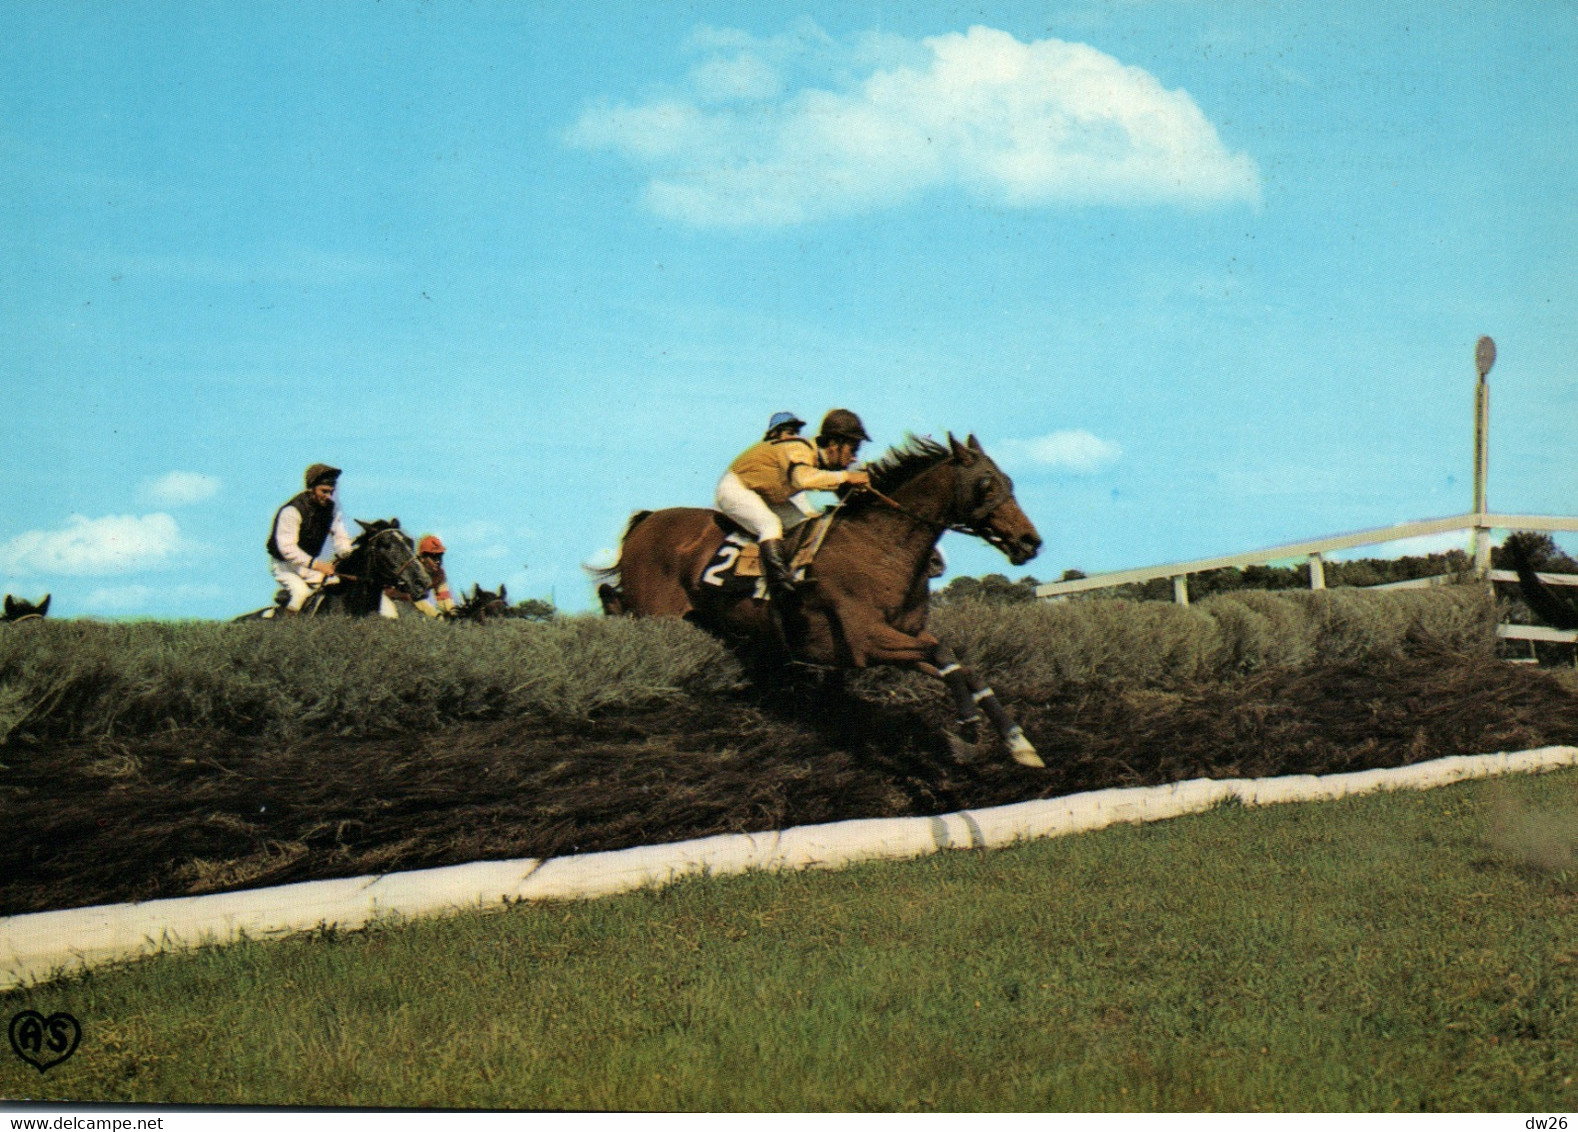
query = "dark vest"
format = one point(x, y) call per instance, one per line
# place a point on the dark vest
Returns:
point(315, 524)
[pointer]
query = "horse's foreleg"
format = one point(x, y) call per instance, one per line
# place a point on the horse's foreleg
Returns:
point(946, 667)
point(972, 696)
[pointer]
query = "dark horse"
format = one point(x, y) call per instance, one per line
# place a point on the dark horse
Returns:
point(482, 605)
point(382, 557)
point(18, 610)
point(866, 600)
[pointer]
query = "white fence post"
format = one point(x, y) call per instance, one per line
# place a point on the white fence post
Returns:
point(1181, 589)
point(1481, 546)
point(1317, 571)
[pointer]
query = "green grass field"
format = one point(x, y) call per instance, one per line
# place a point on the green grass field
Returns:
point(1411, 951)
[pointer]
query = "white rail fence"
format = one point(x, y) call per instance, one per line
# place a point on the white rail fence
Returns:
point(1314, 551)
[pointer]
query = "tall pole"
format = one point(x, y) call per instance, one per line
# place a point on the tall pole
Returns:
point(1484, 358)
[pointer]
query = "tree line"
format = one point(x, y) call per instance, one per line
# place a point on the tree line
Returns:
point(998, 589)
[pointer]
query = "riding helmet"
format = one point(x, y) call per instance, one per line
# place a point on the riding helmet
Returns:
point(841, 424)
point(430, 544)
point(321, 473)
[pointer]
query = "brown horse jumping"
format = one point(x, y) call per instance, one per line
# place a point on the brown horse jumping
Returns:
point(866, 599)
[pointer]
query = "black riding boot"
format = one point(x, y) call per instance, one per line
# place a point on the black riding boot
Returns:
point(780, 581)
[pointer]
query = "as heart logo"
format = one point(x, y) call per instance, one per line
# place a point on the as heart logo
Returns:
point(42, 1042)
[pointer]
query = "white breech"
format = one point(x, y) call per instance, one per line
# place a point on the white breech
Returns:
point(298, 583)
point(804, 509)
point(750, 510)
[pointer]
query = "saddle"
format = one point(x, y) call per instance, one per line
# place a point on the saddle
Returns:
point(739, 558)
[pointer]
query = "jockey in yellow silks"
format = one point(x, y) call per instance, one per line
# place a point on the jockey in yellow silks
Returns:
point(763, 486)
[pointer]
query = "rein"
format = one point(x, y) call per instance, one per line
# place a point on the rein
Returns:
point(358, 577)
point(967, 528)
point(908, 514)
point(399, 570)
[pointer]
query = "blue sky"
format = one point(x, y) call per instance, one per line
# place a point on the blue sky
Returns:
point(1205, 277)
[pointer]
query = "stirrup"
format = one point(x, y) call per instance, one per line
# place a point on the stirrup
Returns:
point(776, 572)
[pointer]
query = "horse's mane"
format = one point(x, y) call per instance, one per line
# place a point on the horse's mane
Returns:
point(902, 463)
point(371, 527)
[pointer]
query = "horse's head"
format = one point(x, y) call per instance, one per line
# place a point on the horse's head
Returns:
point(984, 503)
point(389, 558)
point(18, 610)
point(481, 604)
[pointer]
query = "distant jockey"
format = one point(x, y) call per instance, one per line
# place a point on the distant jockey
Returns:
point(437, 601)
point(301, 530)
point(760, 488)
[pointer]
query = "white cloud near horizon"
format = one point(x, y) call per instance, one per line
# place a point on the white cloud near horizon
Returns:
point(1420, 546)
point(177, 489)
point(118, 598)
point(1009, 123)
point(129, 598)
point(115, 544)
point(1071, 450)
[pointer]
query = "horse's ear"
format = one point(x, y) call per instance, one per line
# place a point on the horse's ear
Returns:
point(43, 606)
point(974, 443)
point(504, 594)
point(366, 527)
point(10, 605)
point(960, 452)
point(394, 525)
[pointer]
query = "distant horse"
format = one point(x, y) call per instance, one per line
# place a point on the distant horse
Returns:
point(1558, 612)
point(481, 605)
point(18, 610)
point(866, 599)
point(383, 556)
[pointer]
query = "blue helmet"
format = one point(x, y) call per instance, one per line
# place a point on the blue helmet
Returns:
point(779, 419)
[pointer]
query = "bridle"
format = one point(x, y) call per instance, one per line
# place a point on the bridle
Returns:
point(404, 544)
point(973, 526)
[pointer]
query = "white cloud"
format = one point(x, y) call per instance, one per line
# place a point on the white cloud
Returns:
point(111, 599)
point(1072, 450)
point(745, 76)
point(1011, 123)
point(115, 544)
point(130, 598)
point(173, 489)
point(1419, 547)
point(477, 530)
point(133, 597)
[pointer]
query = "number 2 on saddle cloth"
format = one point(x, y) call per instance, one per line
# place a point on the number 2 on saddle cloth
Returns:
point(735, 571)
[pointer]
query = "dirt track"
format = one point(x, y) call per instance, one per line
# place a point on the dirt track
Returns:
point(191, 813)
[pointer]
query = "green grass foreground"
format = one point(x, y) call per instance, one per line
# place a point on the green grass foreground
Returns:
point(1410, 951)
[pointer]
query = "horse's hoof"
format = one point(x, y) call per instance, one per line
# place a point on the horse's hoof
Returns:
point(1021, 749)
